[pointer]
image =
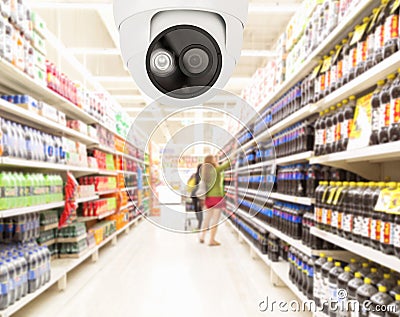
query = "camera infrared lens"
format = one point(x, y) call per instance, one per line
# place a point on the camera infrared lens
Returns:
point(162, 62)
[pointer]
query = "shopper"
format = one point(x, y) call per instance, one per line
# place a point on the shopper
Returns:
point(193, 183)
point(212, 174)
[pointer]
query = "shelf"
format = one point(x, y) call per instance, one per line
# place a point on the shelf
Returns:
point(281, 269)
point(15, 162)
point(49, 242)
point(344, 27)
point(91, 218)
point(103, 148)
point(33, 119)
point(28, 210)
point(73, 239)
point(296, 158)
point(49, 227)
point(293, 199)
point(86, 199)
point(127, 206)
point(128, 189)
point(127, 172)
point(388, 261)
point(107, 192)
point(109, 173)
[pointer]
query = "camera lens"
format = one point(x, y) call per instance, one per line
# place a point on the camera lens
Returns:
point(162, 62)
point(196, 61)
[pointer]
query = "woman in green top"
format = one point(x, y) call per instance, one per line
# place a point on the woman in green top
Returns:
point(212, 175)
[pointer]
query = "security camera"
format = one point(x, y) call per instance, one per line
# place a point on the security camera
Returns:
point(181, 52)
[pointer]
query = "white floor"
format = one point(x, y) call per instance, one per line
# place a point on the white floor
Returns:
point(152, 273)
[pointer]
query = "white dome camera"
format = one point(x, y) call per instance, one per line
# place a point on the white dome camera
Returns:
point(178, 50)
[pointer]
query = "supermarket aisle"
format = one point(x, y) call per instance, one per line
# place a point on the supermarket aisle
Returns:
point(152, 272)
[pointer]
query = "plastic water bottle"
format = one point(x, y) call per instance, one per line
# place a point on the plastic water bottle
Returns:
point(4, 284)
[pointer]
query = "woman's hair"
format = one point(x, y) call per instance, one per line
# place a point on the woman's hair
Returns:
point(208, 172)
point(210, 160)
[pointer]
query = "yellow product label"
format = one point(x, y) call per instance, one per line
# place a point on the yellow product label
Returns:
point(359, 33)
point(331, 195)
point(326, 65)
point(315, 72)
point(384, 200)
point(395, 202)
point(338, 192)
point(336, 56)
point(363, 106)
point(373, 21)
point(324, 195)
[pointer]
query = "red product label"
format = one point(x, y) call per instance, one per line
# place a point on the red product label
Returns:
point(378, 230)
point(329, 217)
point(339, 71)
point(322, 82)
point(391, 28)
point(340, 220)
point(387, 115)
point(395, 111)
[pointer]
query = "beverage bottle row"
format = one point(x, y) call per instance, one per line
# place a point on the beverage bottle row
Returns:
point(296, 139)
point(301, 272)
point(386, 111)
point(333, 127)
point(348, 209)
point(372, 41)
point(361, 281)
point(23, 270)
point(21, 228)
point(24, 190)
point(48, 217)
point(24, 142)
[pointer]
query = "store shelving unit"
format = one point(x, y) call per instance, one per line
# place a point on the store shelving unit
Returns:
point(107, 192)
point(388, 261)
point(61, 267)
point(99, 217)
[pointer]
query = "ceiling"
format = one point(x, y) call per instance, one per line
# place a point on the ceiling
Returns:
point(87, 30)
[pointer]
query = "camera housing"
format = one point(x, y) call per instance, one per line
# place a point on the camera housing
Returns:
point(180, 52)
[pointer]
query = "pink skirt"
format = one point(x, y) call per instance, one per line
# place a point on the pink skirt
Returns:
point(217, 202)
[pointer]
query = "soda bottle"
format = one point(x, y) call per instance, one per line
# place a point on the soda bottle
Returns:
point(334, 69)
point(362, 48)
point(333, 286)
point(338, 125)
point(395, 290)
point(319, 135)
point(388, 226)
point(342, 283)
point(396, 238)
point(385, 110)
point(375, 226)
point(367, 213)
point(4, 284)
point(379, 300)
point(394, 130)
point(364, 293)
point(313, 176)
point(32, 261)
point(325, 282)
point(348, 214)
point(347, 123)
point(352, 61)
point(18, 277)
point(393, 310)
point(323, 126)
point(365, 270)
point(375, 276)
point(336, 213)
point(380, 31)
point(391, 35)
point(347, 60)
point(370, 61)
point(24, 266)
point(376, 113)
point(330, 130)
point(318, 283)
point(310, 279)
point(357, 211)
point(11, 284)
point(352, 287)
point(387, 281)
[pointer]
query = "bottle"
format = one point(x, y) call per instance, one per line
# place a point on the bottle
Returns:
point(364, 293)
point(333, 286)
point(367, 212)
point(380, 31)
point(362, 48)
point(342, 283)
point(385, 110)
point(347, 126)
point(396, 239)
point(318, 279)
point(330, 130)
point(24, 266)
point(371, 40)
point(352, 287)
point(338, 125)
point(334, 69)
point(4, 284)
point(325, 282)
point(375, 276)
point(319, 135)
point(376, 113)
point(310, 279)
point(347, 59)
point(391, 35)
point(353, 54)
point(342, 59)
point(338, 207)
point(395, 290)
point(365, 270)
point(375, 227)
point(394, 130)
point(348, 215)
point(379, 300)
point(18, 277)
point(388, 226)
point(32, 272)
point(357, 211)
point(394, 308)
point(387, 281)
point(11, 284)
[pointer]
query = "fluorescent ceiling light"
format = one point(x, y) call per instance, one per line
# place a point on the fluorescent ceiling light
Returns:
point(259, 53)
point(273, 9)
point(95, 51)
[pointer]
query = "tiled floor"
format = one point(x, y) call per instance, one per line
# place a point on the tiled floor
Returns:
point(152, 273)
